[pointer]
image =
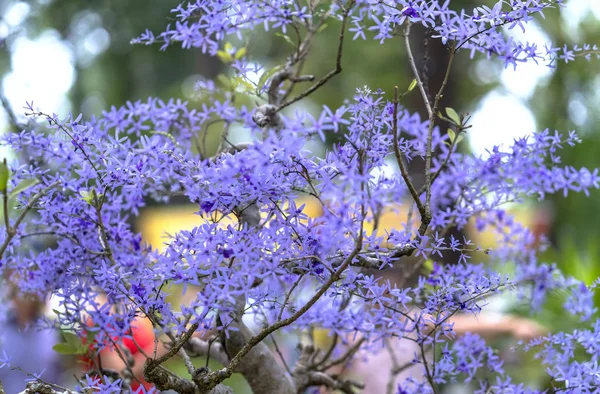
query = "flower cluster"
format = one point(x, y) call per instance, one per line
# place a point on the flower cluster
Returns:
point(255, 255)
point(202, 24)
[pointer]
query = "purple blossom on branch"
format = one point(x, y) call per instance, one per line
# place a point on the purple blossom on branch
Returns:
point(256, 264)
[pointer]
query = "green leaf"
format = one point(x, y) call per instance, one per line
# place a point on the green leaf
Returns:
point(412, 85)
point(286, 38)
point(323, 27)
point(240, 53)
point(87, 196)
point(247, 84)
point(428, 265)
point(459, 138)
point(453, 116)
point(23, 185)
point(91, 197)
point(65, 348)
point(228, 47)
point(225, 81)
point(72, 339)
point(224, 56)
point(268, 74)
point(91, 335)
point(451, 134)
point(244, 86)
point(73, 344)
point(4, 175)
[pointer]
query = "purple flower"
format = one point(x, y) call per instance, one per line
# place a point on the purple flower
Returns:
point(255, 255)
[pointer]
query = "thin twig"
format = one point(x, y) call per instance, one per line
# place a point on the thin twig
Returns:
point(329, 352)
point(12, 118)
point(213, 378)
point(428, 374)
point(413, 65)
point(287, 297)
point(428, 152)
point(330, 74)
point(174, 350)
point(102, 229)
point(346, 356)
point(395, 367)
point(280, 354)
point(398, 154)
point(53, 120)
point(11, 231)
point(5, 207)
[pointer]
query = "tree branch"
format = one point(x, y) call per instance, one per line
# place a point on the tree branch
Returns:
point(214, 378)
point(413, 65)
point(11, 231)
point(398, 154)
point(330, 74)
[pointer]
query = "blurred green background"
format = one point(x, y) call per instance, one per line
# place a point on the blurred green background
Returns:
point(75, 56)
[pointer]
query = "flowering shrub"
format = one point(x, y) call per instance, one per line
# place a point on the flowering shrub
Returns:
point(273, 268)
